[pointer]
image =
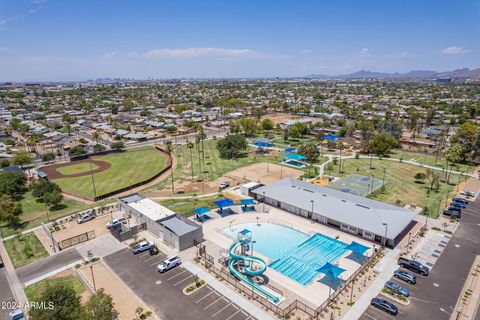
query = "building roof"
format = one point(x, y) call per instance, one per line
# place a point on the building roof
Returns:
point(149, 208)
point(360, 212)
point(179, 226)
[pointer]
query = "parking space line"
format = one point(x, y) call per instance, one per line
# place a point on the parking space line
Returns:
point(155, 263)
point(190, 276)
point(176, 275)
point(371, 317)
point(151, 258)
point(213, 315)
point(213, 291)
point(211, 304)
point(233, 314)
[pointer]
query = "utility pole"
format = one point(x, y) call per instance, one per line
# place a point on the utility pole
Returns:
point(93, 180)
point(93, 280)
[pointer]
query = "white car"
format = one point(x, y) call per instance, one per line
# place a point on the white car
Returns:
point(115, 223)
point(224, 185)
point(85, 218)
point(142, 246)
point(169, 264)
point(17, 315)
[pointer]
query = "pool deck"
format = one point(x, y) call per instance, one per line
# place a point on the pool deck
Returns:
point(315, 292)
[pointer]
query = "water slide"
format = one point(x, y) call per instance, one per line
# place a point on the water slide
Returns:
point(249, 262)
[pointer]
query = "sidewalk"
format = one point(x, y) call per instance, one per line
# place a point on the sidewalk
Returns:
point(229, 293)
point(385, 268)
point(13, 281)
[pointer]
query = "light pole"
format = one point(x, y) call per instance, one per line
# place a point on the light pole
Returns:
point(373, 182)
point(93, 279)
point(311, 215)
point(263, 201)
point(383, 180)
point(257, 220)
point(385, 238)
point(93, 180)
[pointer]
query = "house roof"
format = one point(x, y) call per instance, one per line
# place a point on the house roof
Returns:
point(360, 212)
point(179, 226)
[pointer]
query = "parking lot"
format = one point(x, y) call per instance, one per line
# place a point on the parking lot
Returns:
point(435, 296)
point(164, 292)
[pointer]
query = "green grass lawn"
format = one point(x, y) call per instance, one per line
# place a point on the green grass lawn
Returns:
point(25, 250)
point(34, 291)
point(185, 206)
point(77, 168)
point(428, 159)
point(127, 168)
point(400, 184)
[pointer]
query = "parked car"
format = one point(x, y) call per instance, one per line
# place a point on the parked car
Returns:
point(457, 209)
point(86, 217)
point(17, 315)
point(462, 200)
point(1, 262)
point(405, 276)
point(452, 213)
point(384, 305)
point(414, 266)
point(224, 185)
point(115, 223)
point(397, 288)
point(467, 193)
point(142, 246)
point(169, 264)
point(458, 204)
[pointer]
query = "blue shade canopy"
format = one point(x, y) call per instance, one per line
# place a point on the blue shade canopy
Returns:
point(357, 248)
point(294, 156)
point(262, 140)
point(330, 137)
point(331, 270)
point(200, 210)
point(290, 150)
point(224, 203)
point(247, 201)
point(245, 232)
point(263, 145)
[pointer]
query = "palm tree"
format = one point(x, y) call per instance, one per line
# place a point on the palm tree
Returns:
point(452, 155)
point(96, 136)
point(190, 147)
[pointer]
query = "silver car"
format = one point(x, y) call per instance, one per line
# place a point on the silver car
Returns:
point(85, 218)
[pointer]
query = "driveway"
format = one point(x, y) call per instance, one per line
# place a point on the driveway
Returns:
point(163, 292)
point(435, 296)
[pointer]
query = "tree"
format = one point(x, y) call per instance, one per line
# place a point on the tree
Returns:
point(190, 147)
point(452, 155)
point(267, 125)
point(117, 145)
point(382, 143)
point(299, 129)
point(249, 126)
point(49, 156)
point(310, 151)
point(433, 178)
point(100, 306)
point(22, 158)
point(390, 126)
point(77, 151)
point(232, 146)
point(10, 210)
point(12, 183)
point(468, 136)
point(99, 148)
point(53, 198)
point(420, 176)
point(43, 186)
point(96, 136)
point(64, 301)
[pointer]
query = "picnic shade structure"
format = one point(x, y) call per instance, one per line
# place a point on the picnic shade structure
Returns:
point(294, 156)
point(357, 248)
point(331, 137)
point(200, 212)
point(332, 272)
point(223, 203)
point(289, 150)
point(262, 142)
point(247, 204)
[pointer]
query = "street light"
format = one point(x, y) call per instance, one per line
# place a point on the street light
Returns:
point(93, 279)
point(311, 216)
point(385, 238)
point(263, 201)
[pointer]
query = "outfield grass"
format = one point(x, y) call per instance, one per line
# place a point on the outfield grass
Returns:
point(25, 250)
point(185, 206)
point(429, 159)
point(127, 168)
point(77, 168)
point(400, 184)
point(35, 291)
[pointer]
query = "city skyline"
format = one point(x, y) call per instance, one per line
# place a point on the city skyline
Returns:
point(57, 41)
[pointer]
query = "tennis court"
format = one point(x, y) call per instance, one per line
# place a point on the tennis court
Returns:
point(357, 184)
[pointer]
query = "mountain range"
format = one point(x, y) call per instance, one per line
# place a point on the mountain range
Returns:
point(464, 73)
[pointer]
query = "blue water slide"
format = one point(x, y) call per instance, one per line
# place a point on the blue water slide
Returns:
point(249, 262)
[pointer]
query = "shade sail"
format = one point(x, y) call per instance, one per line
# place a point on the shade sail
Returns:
point(200, 210)
point(331, 270)
point(224, 203)
point(290, 150)
point(357, 248)
point(330, 137)
point(247, 202)
point(294, 156)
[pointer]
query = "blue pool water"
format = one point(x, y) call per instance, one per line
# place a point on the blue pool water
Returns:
point(295, 163)
point(295, 254)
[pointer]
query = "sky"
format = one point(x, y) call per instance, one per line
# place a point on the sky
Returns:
point(67, 40)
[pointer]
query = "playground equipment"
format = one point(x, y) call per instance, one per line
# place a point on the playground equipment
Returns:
point(244, 267)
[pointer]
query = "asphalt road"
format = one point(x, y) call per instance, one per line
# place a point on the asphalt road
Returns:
point(163, 292)
point(5, 296)
point(435, 296)
point(48, 264)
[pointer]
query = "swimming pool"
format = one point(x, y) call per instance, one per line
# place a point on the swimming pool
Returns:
point(294, 253)
point(294, 163)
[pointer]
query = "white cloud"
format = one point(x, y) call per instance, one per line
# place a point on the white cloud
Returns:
point(6, 50)
point(198, 52)
point(306, 51)
point(454, 50)
point(363, 53)
point(132, 54)
point(109, 55)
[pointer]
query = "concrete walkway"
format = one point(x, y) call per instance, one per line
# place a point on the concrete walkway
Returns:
point(12, 278)
point(385, 268)
point(227, 292)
